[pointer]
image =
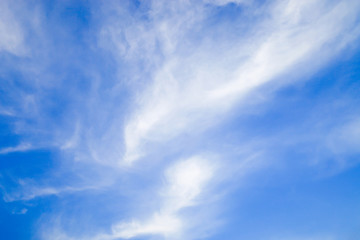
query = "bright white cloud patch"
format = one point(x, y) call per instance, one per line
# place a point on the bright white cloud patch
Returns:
point(185, 181)
point(190, 90)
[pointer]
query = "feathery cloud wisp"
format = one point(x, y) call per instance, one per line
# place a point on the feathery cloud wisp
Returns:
point(118, 91)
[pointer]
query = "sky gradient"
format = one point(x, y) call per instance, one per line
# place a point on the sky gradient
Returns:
point(180, 120)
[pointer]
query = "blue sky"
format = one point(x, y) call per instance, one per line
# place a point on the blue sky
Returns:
point(210, 119)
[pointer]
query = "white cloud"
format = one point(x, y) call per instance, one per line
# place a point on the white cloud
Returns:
point(6, 112)
point(191, 91)
point(191, 75)
point(22, 147)
point(345, 139)
point(21, 212)
point(225, 2)
point(186, 181)
point(159, 224)
point(29, 192)
point(316, 237)
point(11, 33)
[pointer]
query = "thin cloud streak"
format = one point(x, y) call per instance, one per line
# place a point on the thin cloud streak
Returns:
point(22, 147)
point(30, 193)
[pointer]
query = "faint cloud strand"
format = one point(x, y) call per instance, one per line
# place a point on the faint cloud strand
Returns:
point(22, 147)
point(11, 33)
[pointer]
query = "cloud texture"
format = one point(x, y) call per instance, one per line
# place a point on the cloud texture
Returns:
point(158, 113)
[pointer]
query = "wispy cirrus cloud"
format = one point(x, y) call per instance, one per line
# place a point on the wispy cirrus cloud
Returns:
point(185, 182)
point(22, 147)
point(148, 83)
point(11, 32)
point(183, 97)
